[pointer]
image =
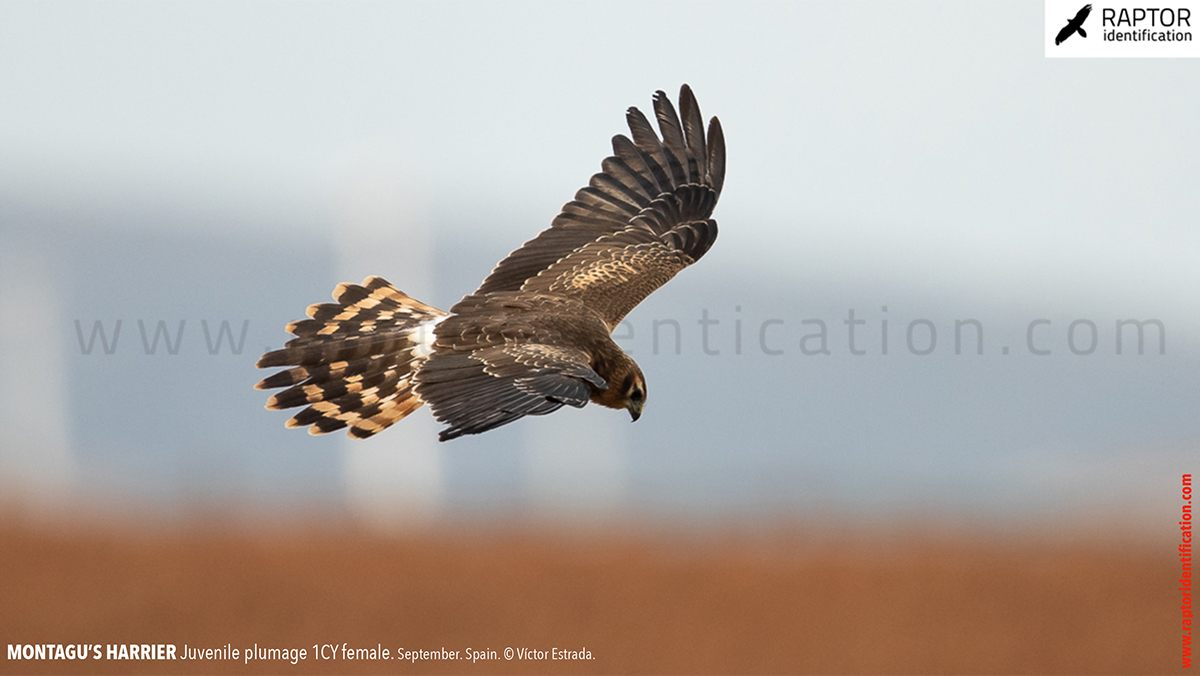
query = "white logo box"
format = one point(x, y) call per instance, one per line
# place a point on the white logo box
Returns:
point(1139, 29)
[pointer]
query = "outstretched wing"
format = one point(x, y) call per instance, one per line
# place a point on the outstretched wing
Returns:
point(654, 195)
point(473, 392)
point(616, 272)
point(1073, 25)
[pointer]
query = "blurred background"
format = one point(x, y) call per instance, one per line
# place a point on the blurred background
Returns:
point(956, 281)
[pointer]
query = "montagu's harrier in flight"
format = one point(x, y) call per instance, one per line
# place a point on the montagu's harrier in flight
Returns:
point(537, 333)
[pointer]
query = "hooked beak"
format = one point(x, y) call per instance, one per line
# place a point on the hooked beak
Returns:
point(635, 409)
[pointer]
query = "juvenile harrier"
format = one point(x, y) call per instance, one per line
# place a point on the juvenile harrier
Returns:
point(537, 333)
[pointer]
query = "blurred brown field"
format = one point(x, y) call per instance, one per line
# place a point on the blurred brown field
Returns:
point(773, 600)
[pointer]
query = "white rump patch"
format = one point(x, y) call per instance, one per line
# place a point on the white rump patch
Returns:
point(423, 337)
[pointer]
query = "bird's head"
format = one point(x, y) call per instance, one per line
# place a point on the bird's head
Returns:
point(635, 394)
point(627, 389)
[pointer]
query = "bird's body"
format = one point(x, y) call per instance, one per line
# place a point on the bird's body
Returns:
point(537, 333)
point(512, 354)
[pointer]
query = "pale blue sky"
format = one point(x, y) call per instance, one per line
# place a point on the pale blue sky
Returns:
point(183, 161)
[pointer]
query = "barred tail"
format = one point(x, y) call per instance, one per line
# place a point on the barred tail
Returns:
point(353, 362)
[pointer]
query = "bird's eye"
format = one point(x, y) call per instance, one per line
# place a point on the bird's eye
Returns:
point(636, 395)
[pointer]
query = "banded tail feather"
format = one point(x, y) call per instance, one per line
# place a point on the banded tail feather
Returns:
point(353, 361)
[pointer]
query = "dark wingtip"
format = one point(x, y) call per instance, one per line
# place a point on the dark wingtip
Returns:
point(716, 155)
point(686, 94)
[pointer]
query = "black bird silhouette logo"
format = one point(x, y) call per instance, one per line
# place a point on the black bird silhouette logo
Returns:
point(1074, 25)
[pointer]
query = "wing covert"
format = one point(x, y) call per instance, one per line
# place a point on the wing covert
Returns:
point(616, 272)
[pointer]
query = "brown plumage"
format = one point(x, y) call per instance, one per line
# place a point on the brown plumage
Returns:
point(537, 333)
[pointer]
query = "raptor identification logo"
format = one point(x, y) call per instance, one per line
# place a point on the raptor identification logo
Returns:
point(1122, 29)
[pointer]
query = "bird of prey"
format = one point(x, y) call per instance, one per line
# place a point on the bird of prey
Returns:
point(1074, 25)
point(537, 332)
